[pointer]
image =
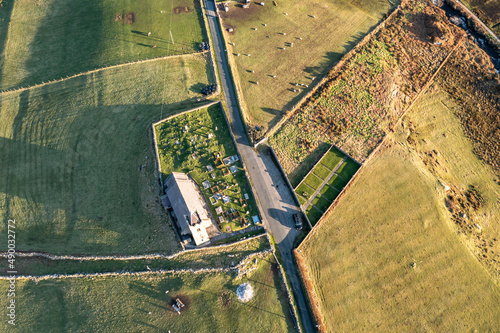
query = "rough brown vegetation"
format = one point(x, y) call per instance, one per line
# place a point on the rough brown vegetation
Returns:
point(470, 77)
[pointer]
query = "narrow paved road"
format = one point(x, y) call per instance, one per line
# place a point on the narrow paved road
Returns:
point(275, 198)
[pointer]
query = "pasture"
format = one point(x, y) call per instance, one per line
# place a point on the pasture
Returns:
point(289, 46)
point(328, 177)
point(50, 39)
point(199, 143)
point(392, 256)
point(132, 303)
point(78, 168)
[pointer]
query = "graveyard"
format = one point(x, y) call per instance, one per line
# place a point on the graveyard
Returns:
point(199, 144)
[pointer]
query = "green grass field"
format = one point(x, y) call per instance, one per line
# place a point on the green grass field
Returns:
point(329, 193)
point(335, 28)
point(49, 39)
point(313, 214)
point(321, 171)
point(321, 203)
point(313, 181)
point(72, 154)
point(194, 150)
point(304, 190)
point(332, 158)
point(337, 182)
point(139, 303)
point(389, 257)
point(348, 169)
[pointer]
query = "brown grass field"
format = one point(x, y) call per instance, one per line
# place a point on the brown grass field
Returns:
point(391, 256)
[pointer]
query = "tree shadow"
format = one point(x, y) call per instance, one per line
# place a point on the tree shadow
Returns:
point(49, 58)
point(5, 14)
point(197, 88)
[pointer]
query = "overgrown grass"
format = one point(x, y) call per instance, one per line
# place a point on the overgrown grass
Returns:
point(131, 303)
point(78, 167)
point(196, 143)
point(50, 39)
point(405, 267)
point(335, 28)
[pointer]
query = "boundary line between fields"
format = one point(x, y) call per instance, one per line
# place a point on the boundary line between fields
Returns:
point(330, 73)
point(131, 257)
point(97, 70)
point(236, 268)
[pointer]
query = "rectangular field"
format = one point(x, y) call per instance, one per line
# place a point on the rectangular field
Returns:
point(129, 303)
point(50, 39)
point(292, 43)
point(337, 182)
point(78, 168)
point(199, 143)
